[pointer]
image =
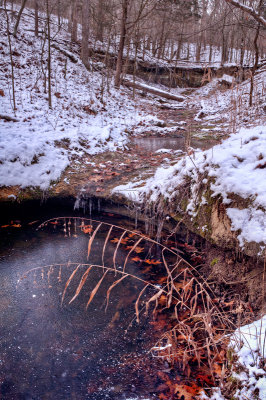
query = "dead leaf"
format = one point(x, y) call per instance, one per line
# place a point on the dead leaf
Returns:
point(189, 392)
point(136, 249)
point(217, 369)
point(152, 262)
point(87, 228)
point(116, 240)
point(136, 259)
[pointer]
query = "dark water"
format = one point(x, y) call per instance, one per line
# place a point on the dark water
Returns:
point(152, 144)
point(50, 350)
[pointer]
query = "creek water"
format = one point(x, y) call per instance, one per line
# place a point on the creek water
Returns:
point(51, 349)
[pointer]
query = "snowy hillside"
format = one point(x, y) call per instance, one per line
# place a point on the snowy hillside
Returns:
point(87, 116)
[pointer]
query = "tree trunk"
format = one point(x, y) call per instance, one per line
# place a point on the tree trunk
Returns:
point(85, 32)
point(255, 66)
point(19, 16)
point(123, 32)
point(224, 52)
point(74, 21)
point(49, 55)
point(36, 17)
point(59, 12)
point(11, 60)
point(100, 21)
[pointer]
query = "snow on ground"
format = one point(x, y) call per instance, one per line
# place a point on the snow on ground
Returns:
point(237, 165)
point(86, 117)
point(249, 346)
point(232, 105)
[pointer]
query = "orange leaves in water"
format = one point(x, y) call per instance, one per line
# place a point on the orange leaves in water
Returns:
point(136, 259)
point(117, 240)
point(137, 249)
point(205, 379)
point(173, 389)
point(152, 262)
point(11, 225)
point(188, 392)
point(87, 228)
point(146, 270)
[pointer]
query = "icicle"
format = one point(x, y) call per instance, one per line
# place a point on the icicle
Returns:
point(90, 206)
point(77, 203)
point(136, 218)
point(159, 230)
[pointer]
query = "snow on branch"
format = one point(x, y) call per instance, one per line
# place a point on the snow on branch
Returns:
point(249, 10)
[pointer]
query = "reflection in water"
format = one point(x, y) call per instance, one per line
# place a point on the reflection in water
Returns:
point(49, 351)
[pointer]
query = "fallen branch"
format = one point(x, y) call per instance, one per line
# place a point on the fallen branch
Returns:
point(8, 118)
point(149, 89)
point(66, 53)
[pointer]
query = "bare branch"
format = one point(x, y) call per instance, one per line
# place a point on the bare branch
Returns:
point(248, 10)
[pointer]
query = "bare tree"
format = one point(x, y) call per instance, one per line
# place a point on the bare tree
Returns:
point(85, 32)
point(251, 11)
point(11, 59)
point(123, 32)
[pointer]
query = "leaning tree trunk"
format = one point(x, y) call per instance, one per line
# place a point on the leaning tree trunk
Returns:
point(19, 16)
point(123, 32)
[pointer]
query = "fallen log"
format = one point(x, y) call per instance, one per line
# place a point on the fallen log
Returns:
point(8, 118)
point(66, 53)
point(155, 91)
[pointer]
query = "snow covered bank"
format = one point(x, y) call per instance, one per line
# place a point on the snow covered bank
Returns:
point(88, 115)
point(234, 171)
point(248, 372)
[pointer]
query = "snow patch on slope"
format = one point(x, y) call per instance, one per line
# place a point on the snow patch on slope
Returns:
point(86, 117)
